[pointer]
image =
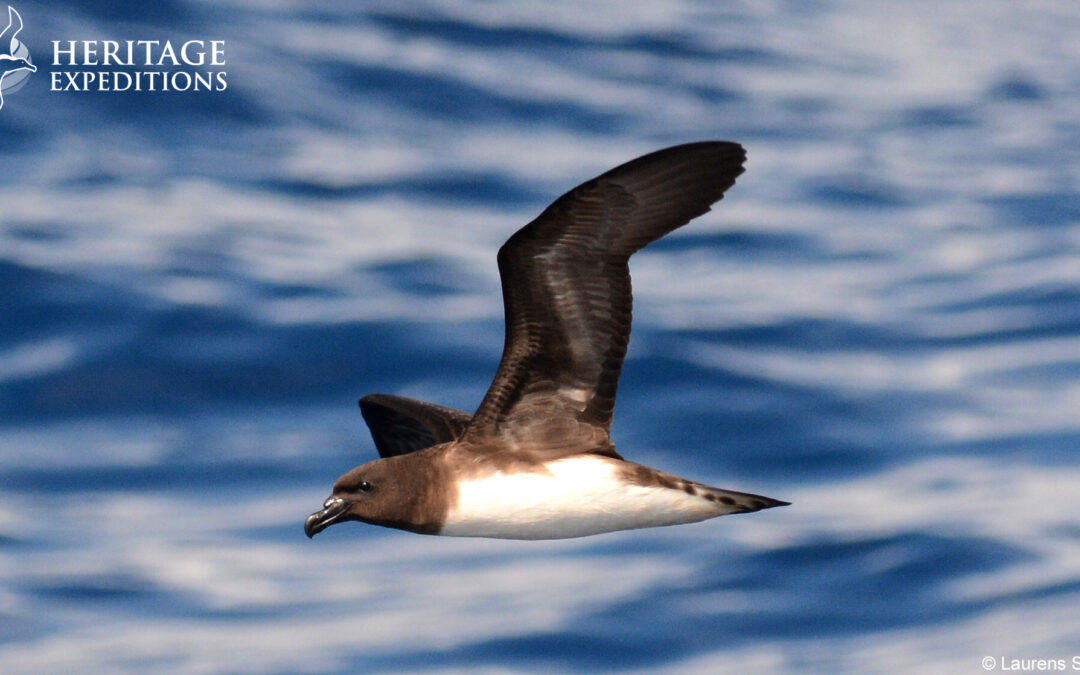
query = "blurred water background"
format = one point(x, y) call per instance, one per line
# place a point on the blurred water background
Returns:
point(880, 323)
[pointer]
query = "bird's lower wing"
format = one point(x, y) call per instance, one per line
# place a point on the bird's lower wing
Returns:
point(402, 425)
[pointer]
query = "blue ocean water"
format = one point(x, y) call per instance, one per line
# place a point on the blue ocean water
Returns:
point(879, 323)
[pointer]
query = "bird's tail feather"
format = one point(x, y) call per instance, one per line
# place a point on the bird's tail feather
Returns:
point(730, 501)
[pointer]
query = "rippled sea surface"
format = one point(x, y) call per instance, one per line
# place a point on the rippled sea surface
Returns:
point(880, 323)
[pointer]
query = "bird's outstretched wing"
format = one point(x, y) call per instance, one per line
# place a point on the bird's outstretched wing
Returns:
point(567, 299)
point(401, 425)
point(13, 28)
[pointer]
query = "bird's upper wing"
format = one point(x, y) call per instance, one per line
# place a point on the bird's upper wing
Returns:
point(9, 33)
point(567, 300)
point(401, 425)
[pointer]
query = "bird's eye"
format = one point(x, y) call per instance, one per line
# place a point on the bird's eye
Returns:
point(365, 486)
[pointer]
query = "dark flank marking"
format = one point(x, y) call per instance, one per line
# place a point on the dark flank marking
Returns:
point(567, 301)
point(644, 476)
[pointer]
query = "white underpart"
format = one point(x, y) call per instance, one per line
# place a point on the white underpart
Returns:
point(575, 497)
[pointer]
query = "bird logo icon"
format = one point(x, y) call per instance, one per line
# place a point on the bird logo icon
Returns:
point(15, 63)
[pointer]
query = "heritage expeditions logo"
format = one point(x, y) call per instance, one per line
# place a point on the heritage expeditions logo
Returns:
point(115, 65)
point(138, 65)
point(15, 63)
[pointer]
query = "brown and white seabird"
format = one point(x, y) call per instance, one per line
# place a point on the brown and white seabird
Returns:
point(535, 461)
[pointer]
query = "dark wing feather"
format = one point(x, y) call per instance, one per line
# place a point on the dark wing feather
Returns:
point(566, 292)
point(402, 425)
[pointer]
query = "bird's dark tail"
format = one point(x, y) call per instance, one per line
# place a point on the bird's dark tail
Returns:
point(729, 501)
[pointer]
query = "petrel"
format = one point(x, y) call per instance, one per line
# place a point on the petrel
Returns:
point(536, 460)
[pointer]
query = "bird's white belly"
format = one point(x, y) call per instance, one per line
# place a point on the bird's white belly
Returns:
point(575, 497)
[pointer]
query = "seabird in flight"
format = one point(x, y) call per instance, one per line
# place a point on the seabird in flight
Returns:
point(535, 461)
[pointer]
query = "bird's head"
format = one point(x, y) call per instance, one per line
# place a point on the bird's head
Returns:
point(374, 493)
point(16, 64)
